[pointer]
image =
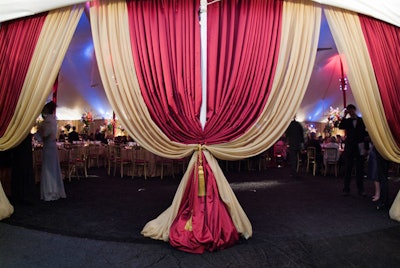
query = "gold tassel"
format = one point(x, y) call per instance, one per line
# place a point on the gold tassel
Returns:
point(188, 225)
point(202, 185)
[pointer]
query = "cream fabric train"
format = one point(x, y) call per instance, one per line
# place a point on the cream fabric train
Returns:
point(6, 209)
point(394, 211)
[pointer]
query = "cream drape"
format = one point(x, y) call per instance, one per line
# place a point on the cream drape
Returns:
point(6, 209)
point(349, 38)
point(299, 42)
point(50, 50)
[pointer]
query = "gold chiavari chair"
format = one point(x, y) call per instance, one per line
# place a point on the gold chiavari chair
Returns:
point(63, 157)
point(311, 159)
point(78, 160)
point(94, 155)
point(122, 157)
point(139, 161)
point(37, 162)
point(165, 163)
point(331, 160)
point(180, 165)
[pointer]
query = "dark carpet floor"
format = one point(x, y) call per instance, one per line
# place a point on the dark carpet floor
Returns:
point(302, 221)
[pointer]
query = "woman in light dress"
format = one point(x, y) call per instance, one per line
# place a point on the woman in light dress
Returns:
point(51, 183)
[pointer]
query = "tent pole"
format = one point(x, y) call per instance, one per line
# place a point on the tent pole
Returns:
point(55, 89)
point(343, 83)
point(203, 53)
point(113, 124)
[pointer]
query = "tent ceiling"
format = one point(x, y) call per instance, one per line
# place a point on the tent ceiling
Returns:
point(323, 90)
point(80, 87)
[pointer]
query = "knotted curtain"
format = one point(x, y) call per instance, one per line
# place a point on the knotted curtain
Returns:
point(119, 72)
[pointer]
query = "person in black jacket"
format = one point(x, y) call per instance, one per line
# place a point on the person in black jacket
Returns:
point(295, 138)
point(354, 150)
point(73, 135)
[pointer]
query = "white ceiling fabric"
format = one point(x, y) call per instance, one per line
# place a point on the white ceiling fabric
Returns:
point(386, 10)
point(12, 9)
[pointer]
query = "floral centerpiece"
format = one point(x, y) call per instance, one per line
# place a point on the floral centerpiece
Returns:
point(86, 119)
point(108, 126)
point(334, 119)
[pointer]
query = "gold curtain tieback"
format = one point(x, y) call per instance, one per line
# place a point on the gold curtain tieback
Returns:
point(202, 185)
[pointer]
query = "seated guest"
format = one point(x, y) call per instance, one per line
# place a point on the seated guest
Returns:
point(315, 142)
point(326, 140)
point(338, 138)
point(91, 137)
point(110, 139)
point(61, 138)
point(73, 135)
point(99, 136)
point(129, 139)
point(321, 139)
point(280, 152)
point(332, 144)
point(280, 148)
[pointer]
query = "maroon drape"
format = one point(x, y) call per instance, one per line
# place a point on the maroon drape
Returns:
point(212, 226)
point(383, 41)
point(243, 45)
point(165, 37)
point(18, 40)
point(166, 49)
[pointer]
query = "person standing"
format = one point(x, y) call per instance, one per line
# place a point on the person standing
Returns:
point(51, 183)
point(295, 139)
point(378, 173)
point(354, 150)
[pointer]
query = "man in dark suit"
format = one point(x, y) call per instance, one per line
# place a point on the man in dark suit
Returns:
point(295, 137)
point(354, 150)
point(73, 135)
